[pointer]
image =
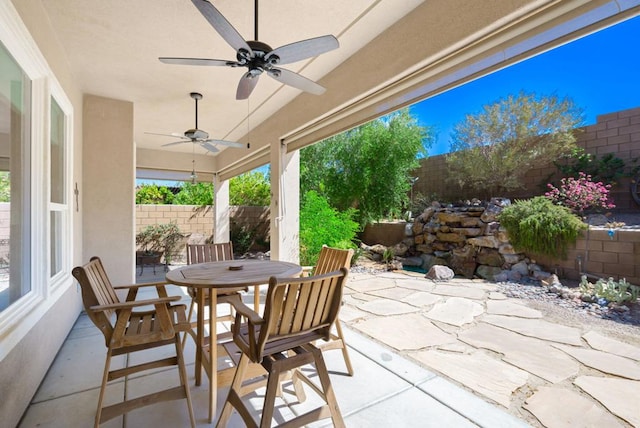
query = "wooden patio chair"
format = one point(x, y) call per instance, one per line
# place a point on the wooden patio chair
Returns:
point(298, 312)
point(133, 331)
point(202, 253)
point(332, 259)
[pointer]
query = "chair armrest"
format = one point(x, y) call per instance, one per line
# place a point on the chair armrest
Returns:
point(143, 284)
point(247, 312)
point(135, 303)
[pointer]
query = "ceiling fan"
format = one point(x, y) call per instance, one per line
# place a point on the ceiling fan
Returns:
point(259, 57)
point(197, 136)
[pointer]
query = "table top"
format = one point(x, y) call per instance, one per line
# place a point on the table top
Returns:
point(232, 273)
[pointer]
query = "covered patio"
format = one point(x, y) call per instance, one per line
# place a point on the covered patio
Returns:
point(89, 73)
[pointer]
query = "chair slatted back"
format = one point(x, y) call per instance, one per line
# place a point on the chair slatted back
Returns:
point(332, 259)
point(201, 253)
point(97, 290)
point(301, 308)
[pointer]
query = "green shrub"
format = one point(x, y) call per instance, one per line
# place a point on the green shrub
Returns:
point(538, 226)
point(320, 224)
point(153, 194)
point(614, 291)
point(242, 237)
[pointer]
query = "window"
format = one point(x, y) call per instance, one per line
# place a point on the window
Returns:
point(58, 197)
point(15, 232)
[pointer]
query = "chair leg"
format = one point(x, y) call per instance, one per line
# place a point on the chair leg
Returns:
point(345, 352)
point(273, 386)
point(234, 388)
point(184, 380)
point(103, 387)
point(184, 338)
point(329, 395)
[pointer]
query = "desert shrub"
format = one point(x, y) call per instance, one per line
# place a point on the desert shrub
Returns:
point(320, 224)
point(581, 194)
point(611, 290)
point(539, 226)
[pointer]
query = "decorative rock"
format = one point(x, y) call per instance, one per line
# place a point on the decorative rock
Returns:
point(506, 249)
point(470, 222)
point(450, 237)
point(501, 277)
point(491, 213)
point(488, 272)
point(446, 217)
point(439, 273)
point(540, 274)
point(521, 268)
point(408, 229)
point(400, 249)
point(491, 228)
point(514, 275)
point(511, 259)
point(490, 257)
point(484, 241)
point(467, 231)
point(412, 261)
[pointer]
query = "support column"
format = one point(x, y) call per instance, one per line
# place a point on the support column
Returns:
point(221, 228)
point(285, 204)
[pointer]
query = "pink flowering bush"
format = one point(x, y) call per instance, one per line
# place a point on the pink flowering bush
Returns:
point(581, 194)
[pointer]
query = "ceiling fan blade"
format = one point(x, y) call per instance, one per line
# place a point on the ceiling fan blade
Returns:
point(221, 25)
point(174, 143)
point(173, 134)
point(296, 80)
point(246, 85)
point(197, 61)
point(227, 143)
point(304, 49)
point(210, 147)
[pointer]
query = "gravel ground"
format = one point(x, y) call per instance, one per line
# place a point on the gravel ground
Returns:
point(622, 323)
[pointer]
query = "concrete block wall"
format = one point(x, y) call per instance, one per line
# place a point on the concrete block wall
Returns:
point(197, 222)
point(617, 133)
point(597, 253)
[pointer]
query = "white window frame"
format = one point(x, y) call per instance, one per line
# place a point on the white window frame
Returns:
point(21, 316)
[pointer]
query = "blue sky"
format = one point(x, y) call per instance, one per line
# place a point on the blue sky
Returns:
point(600, 72)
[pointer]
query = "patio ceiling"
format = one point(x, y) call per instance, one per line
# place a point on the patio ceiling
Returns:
point(406, 49)
point(114, 46)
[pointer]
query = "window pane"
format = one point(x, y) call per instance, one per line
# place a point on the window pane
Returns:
point(15, 192)
point(57, 153)
point(56, 242)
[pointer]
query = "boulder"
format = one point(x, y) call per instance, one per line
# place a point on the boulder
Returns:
point(484, 241)
point(488, 272)
point(400, 249)
point(450, 237)
point(412, 261)
point(521, 267)
point(490, 257)
point(446, 217)
point(440, 273)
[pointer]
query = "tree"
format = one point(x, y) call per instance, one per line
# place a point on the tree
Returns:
point(494, 149)
point(251, 188)
point(154, 194)
point(367, 168)
point(5, 186)
point(195, 194)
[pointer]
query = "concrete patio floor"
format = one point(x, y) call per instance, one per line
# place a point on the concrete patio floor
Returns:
point(451, 354)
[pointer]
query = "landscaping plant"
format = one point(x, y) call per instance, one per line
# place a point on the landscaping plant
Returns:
point(320, 224)
point(539, 226)
point(611, 290)
point(581, 194)
point(493, 150)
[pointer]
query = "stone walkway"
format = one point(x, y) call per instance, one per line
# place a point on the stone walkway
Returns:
point(548, 374)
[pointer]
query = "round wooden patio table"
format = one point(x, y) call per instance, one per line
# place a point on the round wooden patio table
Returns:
point(221, 275)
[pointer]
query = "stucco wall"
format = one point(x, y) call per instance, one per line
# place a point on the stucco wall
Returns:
point(617, 133)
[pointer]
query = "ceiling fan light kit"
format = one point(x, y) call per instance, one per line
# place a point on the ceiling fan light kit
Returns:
point(198, 136)
point(258, 56)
